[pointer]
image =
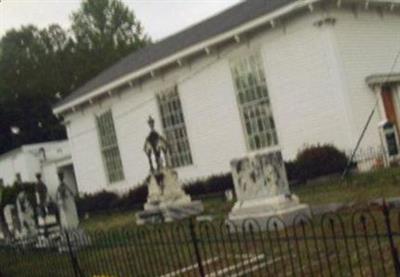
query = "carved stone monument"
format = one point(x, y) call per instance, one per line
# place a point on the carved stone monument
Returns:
point(166, 199)
point(263, 191)
point(66, 205)
point(26, 215)
point(12, 220)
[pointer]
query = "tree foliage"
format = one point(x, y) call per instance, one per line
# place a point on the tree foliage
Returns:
point(31, 74)
point(39, 66)
point(105, 30)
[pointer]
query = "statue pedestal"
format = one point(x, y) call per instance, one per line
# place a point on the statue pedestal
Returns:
point(48, 225)
point(169, 213)
point(263, 192)
point(263, 211)
point(166, 200)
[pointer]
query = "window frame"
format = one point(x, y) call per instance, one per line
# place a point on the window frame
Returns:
point(254, 103)
point(112, 147)
point(165, 91)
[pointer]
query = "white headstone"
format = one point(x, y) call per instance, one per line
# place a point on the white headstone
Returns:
point(12, 220)
point(263, 191)
point(229, 195)
point(26, 215)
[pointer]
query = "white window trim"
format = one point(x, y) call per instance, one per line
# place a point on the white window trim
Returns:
point(239, 56)
point(100, 147)
point(165, 91)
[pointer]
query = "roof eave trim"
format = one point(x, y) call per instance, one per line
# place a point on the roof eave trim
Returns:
point(381, 79)
point(186, 52)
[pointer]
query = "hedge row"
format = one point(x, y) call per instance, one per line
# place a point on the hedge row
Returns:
point(9, 194)
point(136, 197)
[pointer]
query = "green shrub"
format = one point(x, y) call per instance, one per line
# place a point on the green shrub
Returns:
point(217, 184)
point(97, 202)
point(10, 193)
point(134, 199)
point(316, 161)
point(291, 170)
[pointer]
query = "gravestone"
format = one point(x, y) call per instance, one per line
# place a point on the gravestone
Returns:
point(229, 195)
point(26, 215)
point(166, 199)
point(66, 205)
point(263, 191)
point(12, 220)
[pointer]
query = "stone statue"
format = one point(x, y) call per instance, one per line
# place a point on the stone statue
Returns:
point(42, 197)
point(166, 200)
point(48, 222)
point(18, 179)
point(156, 148)
point(66, 205)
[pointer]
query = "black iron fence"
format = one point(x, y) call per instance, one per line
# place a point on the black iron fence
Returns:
point(348, 243)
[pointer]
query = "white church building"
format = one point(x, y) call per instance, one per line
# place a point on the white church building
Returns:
point(262, 75)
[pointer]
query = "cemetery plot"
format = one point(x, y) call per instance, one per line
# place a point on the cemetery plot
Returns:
point(350, 244)
point(281, 240)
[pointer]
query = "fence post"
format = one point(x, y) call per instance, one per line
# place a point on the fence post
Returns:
point(74, 260)
point(195, 242)
point(393, 248)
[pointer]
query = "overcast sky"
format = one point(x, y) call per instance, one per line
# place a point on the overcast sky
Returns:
point(159, 17)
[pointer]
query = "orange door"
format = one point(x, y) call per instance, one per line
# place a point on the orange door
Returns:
point(388, 103)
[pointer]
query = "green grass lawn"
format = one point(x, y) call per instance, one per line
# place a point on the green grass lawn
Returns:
point(109, 221)
point(216, 206)
point(312, 250)
point(358, 188)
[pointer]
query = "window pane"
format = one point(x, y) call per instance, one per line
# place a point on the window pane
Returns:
point(109, 147)
point(253, 99)
point(174, 127)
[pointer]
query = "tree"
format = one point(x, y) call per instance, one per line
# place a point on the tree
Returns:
point(31, 75)
point(39, 66)
point(104, 31)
